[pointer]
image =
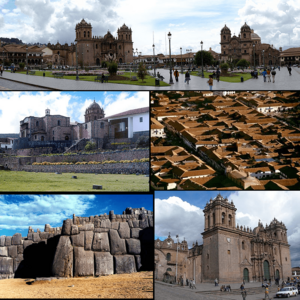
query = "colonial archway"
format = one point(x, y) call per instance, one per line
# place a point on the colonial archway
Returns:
point(120, 60)
point(277, 274)
point(66, 138)
point(246, 275)
point(266, 270)
point(98, 62)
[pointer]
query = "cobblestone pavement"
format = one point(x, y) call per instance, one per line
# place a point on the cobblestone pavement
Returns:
point(283, 81)
point(6, 85)
point(205, 291)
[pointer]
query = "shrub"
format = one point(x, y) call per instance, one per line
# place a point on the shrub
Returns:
point(112, 68)
point(142, 72)
point(21, 65)
point(90, 146)
point(224, 67)
point(142, 141)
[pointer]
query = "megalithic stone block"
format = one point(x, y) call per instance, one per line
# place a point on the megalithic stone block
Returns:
point(138, 262)
point(136, 223)
point(115, 225)
point(144, 223)
point(117, 245)
point(100, 242)
point(2, 240)
point(36, 237)
point(3, 251)
point(12, 251)
point(133, 246)
point(66, 228)
point(88, 239)
point(135, 232)
point(27, 243)
point(63, 260)
point(8, 241)
point(16, 239)
point(78, 239)
point(124, 264)
point(17, 261)
point(30, 236)
point(86, 227)
point(6, 265)
point(105, 223)
point(83, 262)
point(124, 230)
point(20, 249)
point(103, 264)
point(150, 221)
point(74, 229)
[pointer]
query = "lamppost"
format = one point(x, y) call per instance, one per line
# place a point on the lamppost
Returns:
point(3, 60)
point(181, 60)
point(77, 78)
point(171, 79)
point(26, 60)
point(189, 51)
point(270, 60)
point(177, 236)
point(254, 56)
point(82, 61)
point(202, 58)
point(263, 53)
point(154, 59)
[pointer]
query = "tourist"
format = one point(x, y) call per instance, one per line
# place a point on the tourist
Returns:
point(273, 75)
point(290, 70)
point(244, 294)
point(269, 75)
point(158, 75)
point(187, 77)
point(218, 75)
point(102, 77)
point(264, 73)
point(216, 282)
point(214, 74)
point(242, 287)
point(187, 282)
point(210, 82)
point(255, 73)
point(278, 68)
point(267, 293)
point(1, 70)
point(176, 74)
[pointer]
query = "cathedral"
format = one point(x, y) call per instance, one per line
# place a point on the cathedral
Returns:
point(247, 45)
point(229, 252)
point(93, 50)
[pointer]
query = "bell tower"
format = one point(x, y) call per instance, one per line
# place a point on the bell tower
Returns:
point(83, 31)
point(225, 41)
point(125, 44)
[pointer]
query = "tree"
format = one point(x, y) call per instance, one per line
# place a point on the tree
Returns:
point(112, 68)
point(90, 146)
point(21, 65)
point(243, 63)
point(224, 67)
point(207, 58)
point(142, 71)
point(235, 61)
point(103, 64)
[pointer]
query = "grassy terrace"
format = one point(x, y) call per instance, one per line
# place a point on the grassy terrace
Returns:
point(236, 78)
point(148, 81)
point(13, 181)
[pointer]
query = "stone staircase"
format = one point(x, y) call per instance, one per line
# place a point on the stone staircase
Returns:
point(77, 144)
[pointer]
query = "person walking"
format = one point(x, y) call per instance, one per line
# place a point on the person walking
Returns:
point(216, 282)
point(242, 287)
point(218, 75)
point(1, 70)
point(244, 294)
point(187, 77)
point(176, 74)
point(210, 82)
point(290, 70)
point(264, 73)
point(267, 293)
point(269, 75)
point(273, 75)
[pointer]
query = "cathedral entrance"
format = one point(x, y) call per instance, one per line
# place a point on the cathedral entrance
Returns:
point(266, 270)
point(120, 60)
point(246, 275)
point(277, 274)
point(98, 62)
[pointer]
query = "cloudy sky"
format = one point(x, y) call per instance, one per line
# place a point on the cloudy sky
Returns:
point(276, 21)
point(18, 212)
point(182, 213)
point(15, 106)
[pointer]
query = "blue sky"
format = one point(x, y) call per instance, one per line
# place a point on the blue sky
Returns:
point(181, 213)
point(276, 21)
point(15, 106)
point(18, 212)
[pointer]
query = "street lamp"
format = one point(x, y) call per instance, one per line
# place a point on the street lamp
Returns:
point(177, 236)
point(3, 60)
point(171, 79)
point(82, 61)
point(263, 52)
point(189, 51)
point(154, 59)
point(181, 60)
point(202, 58)
point(26, 60)
point(254, 56)
point(77, 78)
point(270, 60)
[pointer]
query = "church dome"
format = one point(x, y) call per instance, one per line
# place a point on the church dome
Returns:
point(225, 29)
point(254, 36)
point(94, 105)
point(124, 27)
point(245, 27)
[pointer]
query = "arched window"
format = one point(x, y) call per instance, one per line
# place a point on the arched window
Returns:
point(229, 220)
point(85, 126)
point(224, 37)
point(169, 269)
point(214, 220)
point(58, 52)
point(58, 123)
point(243, 245)
point(208, 221)
point(246, 275)
point(37, 123)
point(244, 35)
point(168, 256)
point(224, 52)
point(88, 34)
point(207, 255)
point(96, 46)
point(120, 47)
point(42, 138)
point(110, 46)
point(84, 34)
point(275, 251)
point(67, 138)
point(223, 218)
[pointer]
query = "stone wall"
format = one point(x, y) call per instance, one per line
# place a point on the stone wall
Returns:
point(117, 168)
point(84, 246)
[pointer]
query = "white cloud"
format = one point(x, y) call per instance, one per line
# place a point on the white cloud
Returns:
point(38, 210)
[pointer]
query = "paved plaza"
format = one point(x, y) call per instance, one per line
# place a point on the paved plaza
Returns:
point(283, 81)
point(8, 85)
point(207, 291)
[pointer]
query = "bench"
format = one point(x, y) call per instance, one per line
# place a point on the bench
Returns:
point(31, 72)
point(58, 75)
point(161, 77)
point(99, 78)
point(133, 78)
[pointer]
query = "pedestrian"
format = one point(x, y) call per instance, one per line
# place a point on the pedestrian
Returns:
point(264, 73)
point(1, 70)
point(218, 75)
point(244, 294)
point(210, 82)
point(216, 282)
point(290, 70)
point(278, 68)
point(158, 75)
point(269, 75)
point(176, 74)
point(243, 281)
point(187, 282)
point(187, 77)
point(102, 77)
point(242, 287)
point(194, 284)
point(267, 293)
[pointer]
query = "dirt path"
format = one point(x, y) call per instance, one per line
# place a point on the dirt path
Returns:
point(135, 285)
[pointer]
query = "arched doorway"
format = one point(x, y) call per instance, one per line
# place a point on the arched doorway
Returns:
point(66, 138)
point(120, 60)
point(42, 138)
point(98, 62)
point(277, 274)
point(266, 270)
point(246, 275)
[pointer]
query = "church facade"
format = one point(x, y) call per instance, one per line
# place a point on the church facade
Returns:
point(93, 50)
point(229, 252)
point(247, 45)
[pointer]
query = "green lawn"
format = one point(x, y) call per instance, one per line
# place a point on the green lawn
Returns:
point(14, 181)
point(236, 78)
point(148, 81)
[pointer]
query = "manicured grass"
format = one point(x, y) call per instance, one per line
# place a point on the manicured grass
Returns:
point(236, 78)
point(14, 181)
point(148, 81)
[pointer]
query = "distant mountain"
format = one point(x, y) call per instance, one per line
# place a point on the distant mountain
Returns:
point(288, 47)
point(9, 135)
point(11, 40)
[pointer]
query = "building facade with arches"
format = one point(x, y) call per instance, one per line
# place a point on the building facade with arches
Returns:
point(247, 45)
point(232, 252)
